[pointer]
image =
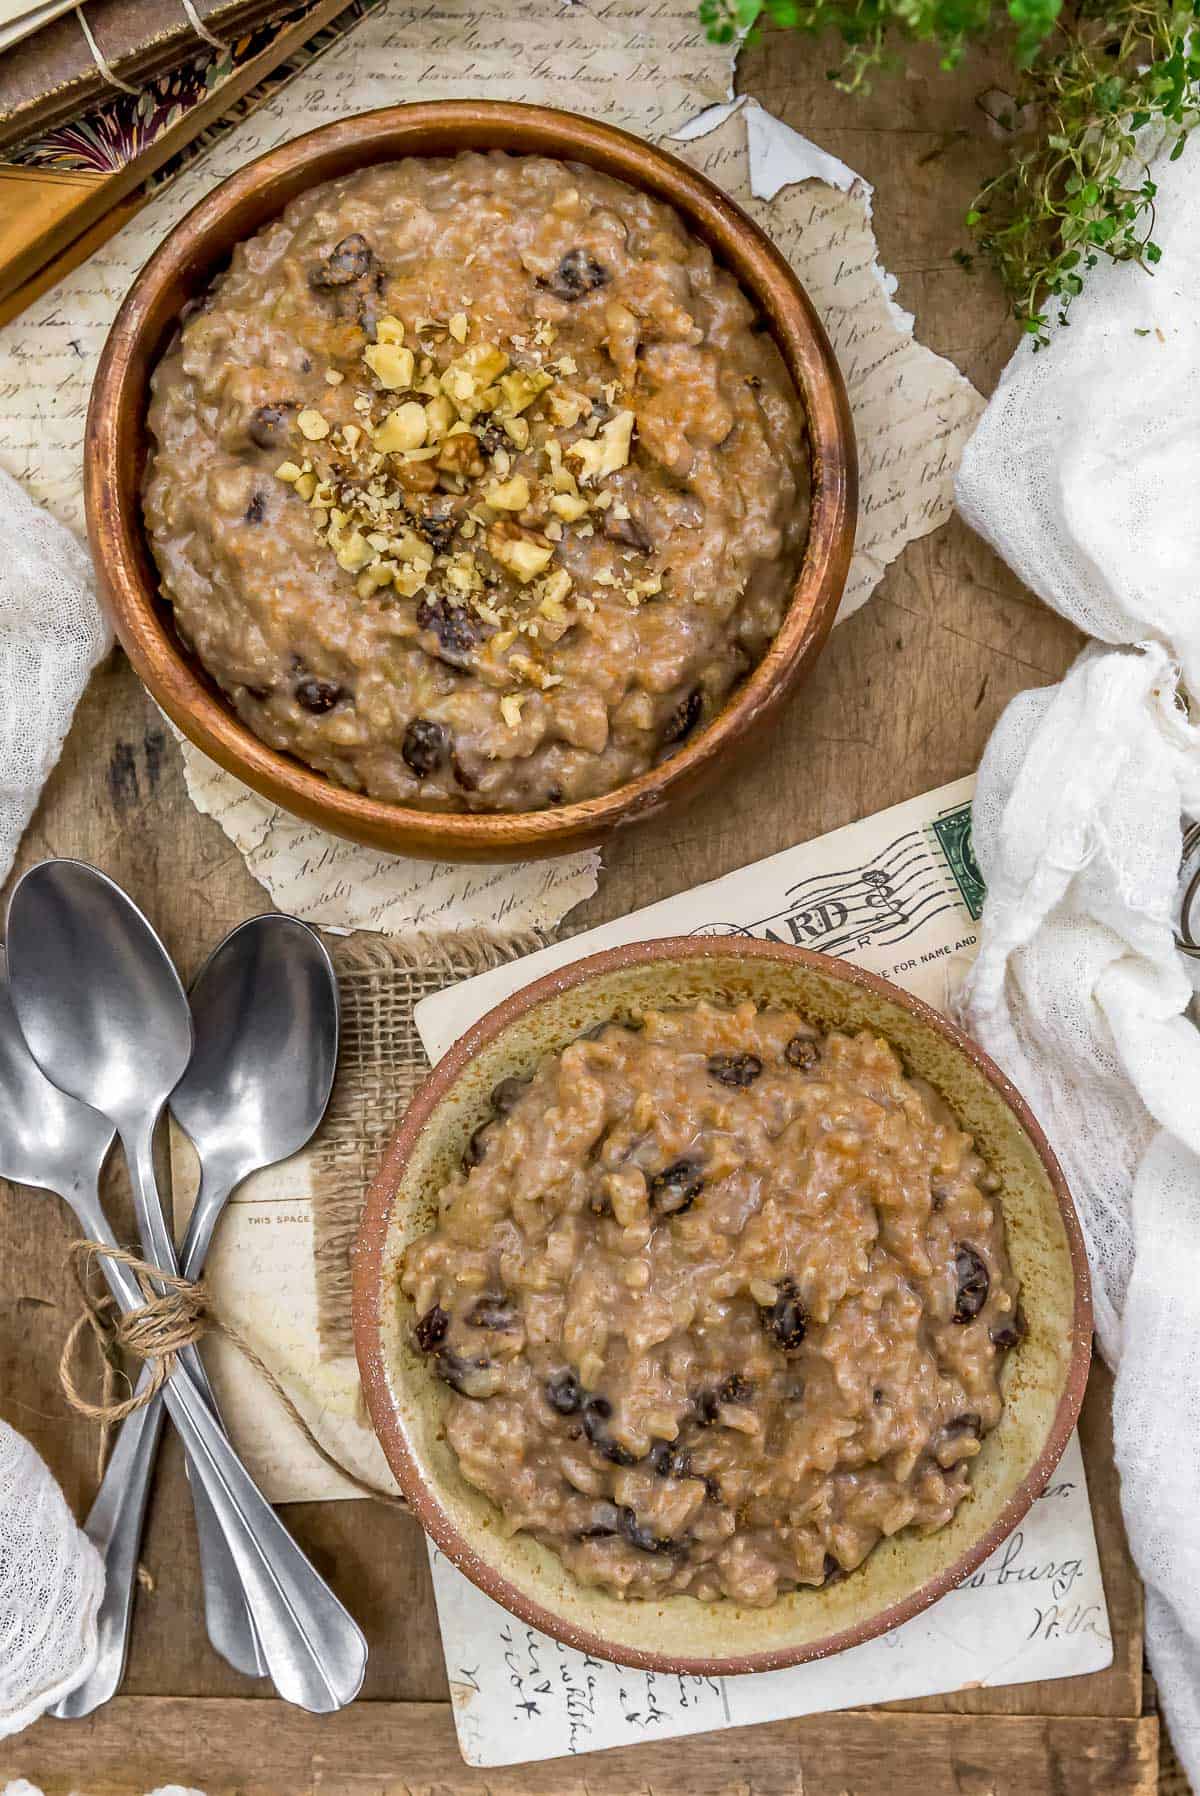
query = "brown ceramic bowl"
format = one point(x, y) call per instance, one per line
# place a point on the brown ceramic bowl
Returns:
point(115, 456)
point(1043, 1379)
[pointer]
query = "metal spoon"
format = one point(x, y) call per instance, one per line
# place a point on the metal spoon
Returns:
point(104, 1014)
point(265, 1010)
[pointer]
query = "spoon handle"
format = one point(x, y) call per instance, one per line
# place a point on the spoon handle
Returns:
point(230, 1624)
point(114, 1527)
point(314, 1650)
point(115, 1523)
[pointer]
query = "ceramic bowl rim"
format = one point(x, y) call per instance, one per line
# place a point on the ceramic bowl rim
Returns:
point(368, 1290)
point(200, 243)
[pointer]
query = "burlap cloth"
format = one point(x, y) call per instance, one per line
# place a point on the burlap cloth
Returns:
point(380, 1066)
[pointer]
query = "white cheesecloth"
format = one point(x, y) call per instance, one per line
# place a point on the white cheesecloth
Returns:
point(1084, 474)
point(51, 636)
point(51, 1582)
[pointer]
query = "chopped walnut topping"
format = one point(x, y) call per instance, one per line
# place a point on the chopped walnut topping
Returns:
point(609, 452)
point(312, 425)
point(460, 454)
point(525, 553)
point(510, 495)
point(392, 365)
point(405, 428)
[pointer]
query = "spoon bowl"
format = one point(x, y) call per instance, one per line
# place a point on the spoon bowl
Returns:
point(47, 1139)
point(265, 1005)
point(96, 995)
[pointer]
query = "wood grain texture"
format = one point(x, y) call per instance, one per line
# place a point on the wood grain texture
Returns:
point(903, 699)
point(408, 1749)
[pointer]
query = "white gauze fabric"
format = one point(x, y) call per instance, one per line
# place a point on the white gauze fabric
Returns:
point(1084, 474)
point(51, 1582)
point(52, 634)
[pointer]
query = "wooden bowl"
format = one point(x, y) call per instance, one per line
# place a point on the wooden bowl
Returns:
point(116, 445)
point(1043, 1379)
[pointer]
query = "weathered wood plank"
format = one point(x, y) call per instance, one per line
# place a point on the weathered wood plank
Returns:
point(408, 1749)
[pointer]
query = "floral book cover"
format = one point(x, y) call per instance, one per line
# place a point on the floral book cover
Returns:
point(65, 191)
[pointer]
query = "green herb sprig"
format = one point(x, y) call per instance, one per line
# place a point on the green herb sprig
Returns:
point(1097, 88)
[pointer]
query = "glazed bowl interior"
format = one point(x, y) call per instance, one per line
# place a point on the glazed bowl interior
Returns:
point(1043, 1379)
point(199, 248)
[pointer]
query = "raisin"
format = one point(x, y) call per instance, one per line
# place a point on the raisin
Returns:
point(564, 1393)
point(785, 1318)
point(596, 1412)
point(426, 746)
point(431, 1330)
point(831, 1571)
point(476, 1147)
point(316, 695)
point(1009, 1334)
point(438, 528)
point(878, 1395)
point(578, 273)
point(268, 426)
point(667, 1461)
point(462, 778)
point(493, 437)
point(803, 1052)
point(554, 795)
point(676, 1188)
point(256, 511)
point(454, 626)
point(971, 1275)
point(734, 1069)
point(348, 261)
point(494, 1312)
point(258, 693)
point(736, 1389)
point(605, 1523)
point(639, 1536)
point(368, 306)
point(628, 532)
point(968, 1423)
point(712, 1488)
point(455, 1371)
point(505, 1095)
point(684, 717)
point(705, 1405)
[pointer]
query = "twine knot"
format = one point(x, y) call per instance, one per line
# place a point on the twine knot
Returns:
point(176, 1314)
point(170, 1319)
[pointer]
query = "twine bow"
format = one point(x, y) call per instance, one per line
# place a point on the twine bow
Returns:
point(176, 1313)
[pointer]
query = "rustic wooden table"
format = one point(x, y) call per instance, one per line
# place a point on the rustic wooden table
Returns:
point(903, 700)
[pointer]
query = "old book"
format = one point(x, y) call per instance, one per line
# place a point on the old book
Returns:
point(64, 192)
point(51, 75)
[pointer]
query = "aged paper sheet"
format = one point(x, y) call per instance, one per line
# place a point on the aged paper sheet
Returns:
point(1035, 1609)
point(650, 70)
point(901, 894)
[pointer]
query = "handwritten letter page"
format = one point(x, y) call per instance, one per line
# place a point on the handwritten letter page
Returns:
point(899, 893)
